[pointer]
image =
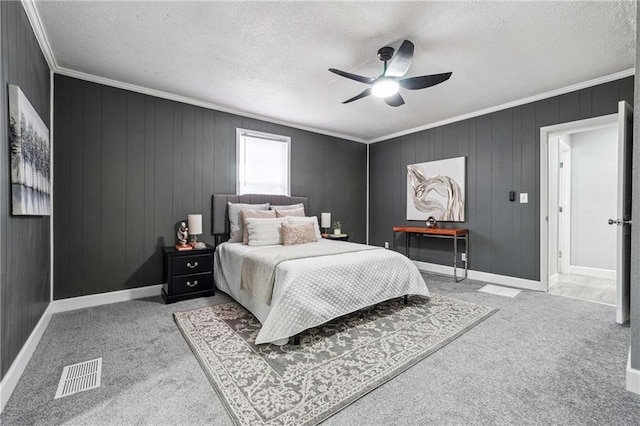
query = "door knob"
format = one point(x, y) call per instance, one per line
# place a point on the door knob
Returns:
point(619, 222)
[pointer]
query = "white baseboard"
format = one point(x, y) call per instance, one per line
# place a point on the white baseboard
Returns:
point(608, 274)
point(633, 377)
point(10, 379)
point(553, 279)
point(82, 302)
point(481, 276)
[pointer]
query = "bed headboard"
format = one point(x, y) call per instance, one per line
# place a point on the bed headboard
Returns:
point(220, 215)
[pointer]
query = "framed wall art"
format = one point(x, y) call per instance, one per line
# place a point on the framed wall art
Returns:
point(30, 158)
point(437, 189)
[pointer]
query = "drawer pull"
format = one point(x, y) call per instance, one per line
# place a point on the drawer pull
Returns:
point(195, 265)
point(195, 283)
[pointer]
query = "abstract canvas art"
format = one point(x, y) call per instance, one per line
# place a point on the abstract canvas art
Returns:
point(30, 157)
point(436, 188)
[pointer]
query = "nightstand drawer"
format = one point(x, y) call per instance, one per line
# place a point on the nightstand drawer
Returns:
point(193, 264)
point(191, 283)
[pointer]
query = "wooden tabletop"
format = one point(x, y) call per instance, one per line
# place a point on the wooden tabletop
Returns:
point(424, 230)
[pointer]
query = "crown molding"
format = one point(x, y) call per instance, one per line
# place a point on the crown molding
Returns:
point(524, 101)
point(36, 24)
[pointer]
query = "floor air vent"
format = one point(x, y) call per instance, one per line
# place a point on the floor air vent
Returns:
point(79, 377)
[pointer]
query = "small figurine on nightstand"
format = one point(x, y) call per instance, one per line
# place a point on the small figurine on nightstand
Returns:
point(182, 235)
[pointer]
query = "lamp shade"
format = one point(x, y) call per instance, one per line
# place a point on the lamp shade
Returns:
point(325, 221)
point(195, 224)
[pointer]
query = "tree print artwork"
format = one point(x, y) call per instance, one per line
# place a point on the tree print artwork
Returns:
point(30, 157)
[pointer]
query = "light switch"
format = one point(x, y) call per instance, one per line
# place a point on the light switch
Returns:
point(524, 198)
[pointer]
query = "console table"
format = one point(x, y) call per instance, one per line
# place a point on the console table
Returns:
point(453, 234)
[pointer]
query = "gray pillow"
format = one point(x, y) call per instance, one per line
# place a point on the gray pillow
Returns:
point(288, 207)
point(235, 221)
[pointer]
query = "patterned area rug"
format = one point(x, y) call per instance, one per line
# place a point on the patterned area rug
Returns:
point(334, 365)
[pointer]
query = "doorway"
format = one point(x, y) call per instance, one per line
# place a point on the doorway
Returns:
point(599, 178)
point(583, 169)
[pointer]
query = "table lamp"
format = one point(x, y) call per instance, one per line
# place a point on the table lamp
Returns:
point(195, 228)
point(325, 221)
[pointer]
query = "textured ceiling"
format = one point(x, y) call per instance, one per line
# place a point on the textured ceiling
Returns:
point(271, 58)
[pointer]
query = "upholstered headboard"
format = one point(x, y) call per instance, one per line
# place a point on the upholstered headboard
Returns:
point(220, 215)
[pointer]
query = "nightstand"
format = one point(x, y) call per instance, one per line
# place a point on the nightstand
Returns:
point(187, 274)
point(340, 237)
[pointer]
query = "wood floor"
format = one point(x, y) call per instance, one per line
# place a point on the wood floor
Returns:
point(588, 288)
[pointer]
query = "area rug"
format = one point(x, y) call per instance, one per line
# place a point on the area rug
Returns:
point(334, 365)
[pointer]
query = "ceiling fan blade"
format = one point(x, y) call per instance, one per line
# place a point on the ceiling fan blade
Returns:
point(424, 81)
point(394, 100)
point(365, 92)
point(401, 61)
point(361, 79)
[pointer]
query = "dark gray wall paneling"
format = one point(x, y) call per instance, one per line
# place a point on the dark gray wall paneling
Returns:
point(503, 154)
point(25, 252)
point(129, 166)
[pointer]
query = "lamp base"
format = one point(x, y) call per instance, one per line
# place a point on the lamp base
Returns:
point(181, 247)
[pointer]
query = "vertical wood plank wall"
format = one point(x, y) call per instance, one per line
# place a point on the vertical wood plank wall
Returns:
point(129, 166)
point(503, 154)
point(25, 250)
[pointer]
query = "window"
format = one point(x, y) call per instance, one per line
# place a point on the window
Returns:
point(262, 163)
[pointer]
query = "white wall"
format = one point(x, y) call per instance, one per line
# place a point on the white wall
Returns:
point(593, 198)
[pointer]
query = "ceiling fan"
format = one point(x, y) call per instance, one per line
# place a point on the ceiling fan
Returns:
point(388, 83)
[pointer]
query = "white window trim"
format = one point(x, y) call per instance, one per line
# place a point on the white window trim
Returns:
point(263, 135)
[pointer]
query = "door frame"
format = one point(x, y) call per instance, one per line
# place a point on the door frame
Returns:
point(564, 200)
point(545, 133)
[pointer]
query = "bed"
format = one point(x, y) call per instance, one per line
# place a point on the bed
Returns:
point(307, 291)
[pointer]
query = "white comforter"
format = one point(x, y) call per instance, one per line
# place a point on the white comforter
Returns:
point(309, 292)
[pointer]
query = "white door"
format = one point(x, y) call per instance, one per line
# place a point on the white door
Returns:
point(623, 221)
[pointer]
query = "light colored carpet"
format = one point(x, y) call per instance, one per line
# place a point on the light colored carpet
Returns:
point(334, 365)
point(540, 360)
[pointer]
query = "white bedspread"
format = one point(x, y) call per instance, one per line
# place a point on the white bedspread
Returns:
point(309, 292)
point(259, 267)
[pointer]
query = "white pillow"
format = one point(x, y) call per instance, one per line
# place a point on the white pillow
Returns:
point(235, 220)
point(288, 207)
point(264, 232)
point(312, 219)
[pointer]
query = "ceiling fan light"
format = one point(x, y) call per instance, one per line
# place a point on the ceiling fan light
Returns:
point(385, 87)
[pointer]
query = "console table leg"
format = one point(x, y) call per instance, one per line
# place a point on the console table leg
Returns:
point(455, 258)
point(466, 250)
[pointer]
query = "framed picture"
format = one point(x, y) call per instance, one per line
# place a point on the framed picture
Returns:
point(437, 189)
point(30, 157)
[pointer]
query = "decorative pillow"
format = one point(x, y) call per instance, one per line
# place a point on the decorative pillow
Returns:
point(264, 232)
point(290, 212)
point(313, 220)
point(298, 233)
point(246, 214)
point(235, 221)
point(288, 207)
